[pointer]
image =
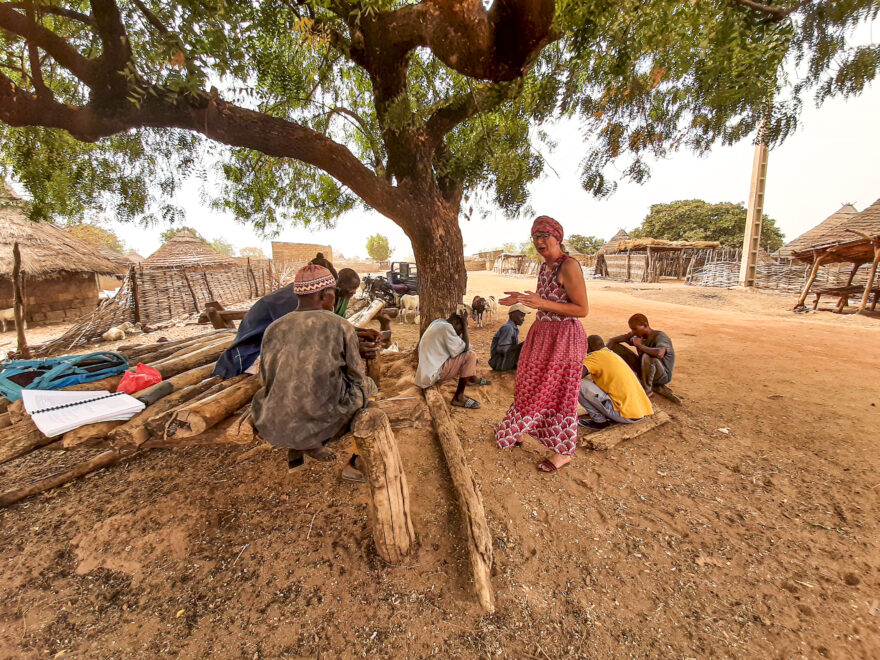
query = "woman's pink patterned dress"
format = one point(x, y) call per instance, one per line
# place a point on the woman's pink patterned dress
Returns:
point(548, 376)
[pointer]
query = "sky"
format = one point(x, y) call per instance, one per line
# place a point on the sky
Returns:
point(831, 160)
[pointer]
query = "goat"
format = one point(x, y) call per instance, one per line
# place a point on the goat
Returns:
point(8, 316)
point(479, 306)
point(492, 308)
point(408, 303)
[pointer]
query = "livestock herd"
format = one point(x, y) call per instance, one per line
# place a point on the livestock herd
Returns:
point(479, 309)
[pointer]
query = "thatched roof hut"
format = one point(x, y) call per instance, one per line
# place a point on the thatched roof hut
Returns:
point(133, 257)
point(186, 252)
point(611, 245)
point(822, 232)
point(58, 270)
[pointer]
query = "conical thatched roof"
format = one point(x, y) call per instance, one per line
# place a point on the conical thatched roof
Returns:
point(116, 258)
point(185, 251)
point(46, 250)
point(611, 245)
point(133, 257)
point(867, 222)
point(822, 233)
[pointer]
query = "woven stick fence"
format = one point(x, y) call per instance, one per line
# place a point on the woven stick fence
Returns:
point(160, 297)
point(785, 277)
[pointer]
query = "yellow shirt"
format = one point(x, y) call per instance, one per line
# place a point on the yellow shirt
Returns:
point(614, 376)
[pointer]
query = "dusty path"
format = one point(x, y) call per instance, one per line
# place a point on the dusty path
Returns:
point(688, 542)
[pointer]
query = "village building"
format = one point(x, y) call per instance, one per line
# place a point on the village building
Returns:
point(59, 272)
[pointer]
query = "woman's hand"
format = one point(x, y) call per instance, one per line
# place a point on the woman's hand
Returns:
point(512, 298)
point(531, 299)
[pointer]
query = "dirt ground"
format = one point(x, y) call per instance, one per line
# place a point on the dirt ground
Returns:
point(745, 528)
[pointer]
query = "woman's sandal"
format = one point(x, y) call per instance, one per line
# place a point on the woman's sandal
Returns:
point(548, 466)
point(481, 381)
point(469, 403)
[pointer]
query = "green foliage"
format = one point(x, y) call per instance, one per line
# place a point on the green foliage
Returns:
point(696, 220)
point(95, 235)
point(585, 244)
point(644, 78)
point(222, 246)
point(528, 248)
point(252, 253)
point(378, 248)
point(171, 232)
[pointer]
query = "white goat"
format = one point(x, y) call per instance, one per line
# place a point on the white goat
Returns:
point(408, 303)
point(7, 316)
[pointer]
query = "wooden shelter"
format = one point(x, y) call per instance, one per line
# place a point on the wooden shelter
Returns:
point(854, 240)
point(821, 233)
point(611, 245)
point(649, 259)
point(187, 252)
point(59, 272)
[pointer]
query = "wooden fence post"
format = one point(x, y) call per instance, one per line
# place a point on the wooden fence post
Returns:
point(18, 303)
point(389, 492)
point(132, 276)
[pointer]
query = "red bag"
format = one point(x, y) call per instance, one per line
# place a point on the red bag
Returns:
point(140, 379)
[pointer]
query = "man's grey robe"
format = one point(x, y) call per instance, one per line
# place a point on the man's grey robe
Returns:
point(313, 380)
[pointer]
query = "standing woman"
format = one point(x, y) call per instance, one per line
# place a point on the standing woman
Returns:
point(549, 373)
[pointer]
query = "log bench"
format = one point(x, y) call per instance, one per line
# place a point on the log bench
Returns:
point(843, 293)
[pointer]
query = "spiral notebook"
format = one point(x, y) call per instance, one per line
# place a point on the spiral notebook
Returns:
point(56, 412)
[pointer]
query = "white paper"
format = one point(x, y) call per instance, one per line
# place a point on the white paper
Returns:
point(90, 409)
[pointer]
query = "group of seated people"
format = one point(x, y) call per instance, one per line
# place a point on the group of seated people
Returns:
point(311, 364)
point(618, 381)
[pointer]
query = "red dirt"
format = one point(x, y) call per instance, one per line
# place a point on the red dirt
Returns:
point(686, 542)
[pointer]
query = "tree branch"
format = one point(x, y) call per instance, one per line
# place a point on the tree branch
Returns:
point(461, 108)
point(213, 118)
point(67, 56)
point(56, 11)
point(775, 13)
point(108, 24)
point(152, 19)
point(365, 129)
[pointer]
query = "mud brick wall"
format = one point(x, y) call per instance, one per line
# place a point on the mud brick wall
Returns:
point(298, 253)
point(54, 299)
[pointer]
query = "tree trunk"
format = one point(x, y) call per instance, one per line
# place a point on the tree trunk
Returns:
point(439, 251)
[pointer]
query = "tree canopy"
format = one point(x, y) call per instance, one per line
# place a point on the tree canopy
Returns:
point(378, 248)
point(222, 246)
point(696, 220)
point(585, 244)
point(412, 108)
point(252, 253)
point(171, 232)
point(96, 235)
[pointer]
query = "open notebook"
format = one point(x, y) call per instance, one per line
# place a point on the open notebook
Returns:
point(57, 412)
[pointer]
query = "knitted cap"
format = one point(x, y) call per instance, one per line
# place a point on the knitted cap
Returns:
point(311, 279)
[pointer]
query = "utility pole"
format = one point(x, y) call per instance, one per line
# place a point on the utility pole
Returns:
point(752, 238)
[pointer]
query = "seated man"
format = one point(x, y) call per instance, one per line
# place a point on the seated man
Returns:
point(654, 357)
point(444, 354)
point(614, 396)
point(321, 260)
point(506, 346)
point(312, 372)
point(244, 351)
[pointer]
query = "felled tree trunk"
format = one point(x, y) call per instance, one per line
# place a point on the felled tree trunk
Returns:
point(20, 439)
point(389, 493)
point(198, 417)
point(157, 425)
point(479, 540)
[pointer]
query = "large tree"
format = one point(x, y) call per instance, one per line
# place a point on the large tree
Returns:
point(407, 107)
point(96, 235)
point(696, 220)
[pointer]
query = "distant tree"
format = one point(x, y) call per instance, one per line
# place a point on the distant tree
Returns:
point(95, 235)
point(378, 248)
point(252, 252)
point(696, 220)
point(510, 247)
point(528, 248)
point(222, 246)
point(171, 232)
point(585, 244)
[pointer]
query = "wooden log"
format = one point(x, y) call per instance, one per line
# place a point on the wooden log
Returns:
point(614, 435)
point(405, 412)
point(870, 283)
point(173, 366)
point(374, 368)
point(90, 435)
point(135, 350)
point(157, 424)
point(22, 439)
point(134, 432)
point(60, 478)
point(242, 430)
point(198, 417)
point(177, 350)
point(479, 540)
point(4, 420)
point(18, 303)
point(389, 492)
point(4, 404)
point(155, 392)
point(819, 260)
point(366, 315)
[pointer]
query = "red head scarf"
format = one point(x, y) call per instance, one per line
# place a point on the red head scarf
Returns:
point(547, 224)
